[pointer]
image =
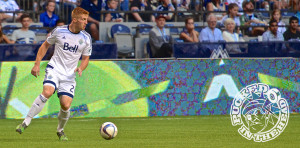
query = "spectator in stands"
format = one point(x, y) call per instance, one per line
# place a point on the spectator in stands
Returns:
point(125, 5)
point(72, 3)
point(232, 12)
point(141, 5)
point(230, 36)
point(93, 7)
point(293, 4)
point(253, 19)
point(276, 15)
point(273, 34)
point(113, 16)
point(280, 4)
point(262, 5)
point(160, 39)
point(9, 5)
point(197, 4)
point(182, 5)
point(58, 23)
point(24, 34)
point(215, 5)
point(297, 14)
point(211, 33)
point(166, 6)
point(48, 18)
point(238, 2)
point(3, 37)
point(292, 32)
point(189, 34)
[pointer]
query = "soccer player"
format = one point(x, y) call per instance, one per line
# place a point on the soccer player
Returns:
point(71, 42)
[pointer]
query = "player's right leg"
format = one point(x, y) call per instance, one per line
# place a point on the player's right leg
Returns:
point(38, 104)
point(36, 107)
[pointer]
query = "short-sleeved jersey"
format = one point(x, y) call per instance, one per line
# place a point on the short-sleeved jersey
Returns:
point(68, 49)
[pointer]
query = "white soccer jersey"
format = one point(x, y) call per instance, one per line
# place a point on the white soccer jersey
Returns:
point(68, 49)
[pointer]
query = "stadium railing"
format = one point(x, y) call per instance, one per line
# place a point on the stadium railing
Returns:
point(247, 49)
point(27, 52)
point(36, 7)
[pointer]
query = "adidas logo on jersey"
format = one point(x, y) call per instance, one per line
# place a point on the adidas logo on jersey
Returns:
point(70, 48)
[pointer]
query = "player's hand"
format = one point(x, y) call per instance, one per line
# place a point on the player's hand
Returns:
point(79, 71)
point(35, 71)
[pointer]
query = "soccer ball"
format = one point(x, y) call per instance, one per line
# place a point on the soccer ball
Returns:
point(108, 130)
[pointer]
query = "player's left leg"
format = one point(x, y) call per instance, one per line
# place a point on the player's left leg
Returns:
point(65, 93)
point(63, 115)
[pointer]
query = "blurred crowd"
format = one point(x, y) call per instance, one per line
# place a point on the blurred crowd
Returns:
point(225, 20)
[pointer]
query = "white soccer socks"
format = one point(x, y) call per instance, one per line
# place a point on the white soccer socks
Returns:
point(36, 108)
point(63, 117)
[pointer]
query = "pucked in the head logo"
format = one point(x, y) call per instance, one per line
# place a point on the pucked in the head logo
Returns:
point(261, 112)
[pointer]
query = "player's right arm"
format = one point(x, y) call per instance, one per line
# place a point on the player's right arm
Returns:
point(41, 53)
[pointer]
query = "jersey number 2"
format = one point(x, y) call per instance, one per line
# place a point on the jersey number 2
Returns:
point(72, 89)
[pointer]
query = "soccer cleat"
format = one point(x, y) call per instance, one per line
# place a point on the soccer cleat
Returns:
point(20, 128)
point(62, 137)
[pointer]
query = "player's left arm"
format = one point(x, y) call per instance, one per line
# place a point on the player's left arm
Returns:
point(83, 65)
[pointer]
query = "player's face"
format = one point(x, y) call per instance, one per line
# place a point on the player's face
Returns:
point(82, 21)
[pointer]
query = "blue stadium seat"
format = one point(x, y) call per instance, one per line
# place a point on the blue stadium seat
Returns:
point(122, 37)
point(120, 29)
point(265, 14)
point(172, 29)
point(286, 13)
point(38, 29)
point(145, 30)
point(149, 50)
point(9, 29)
point(197, 28)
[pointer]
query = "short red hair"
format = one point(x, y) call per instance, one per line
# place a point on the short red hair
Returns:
point(78, 11)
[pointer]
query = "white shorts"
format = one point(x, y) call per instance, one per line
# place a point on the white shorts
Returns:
point(65, 85)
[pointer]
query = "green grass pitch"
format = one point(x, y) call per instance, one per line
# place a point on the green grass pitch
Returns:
point(160, 132)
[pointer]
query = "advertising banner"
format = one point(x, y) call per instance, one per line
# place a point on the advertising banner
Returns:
point(151, 87)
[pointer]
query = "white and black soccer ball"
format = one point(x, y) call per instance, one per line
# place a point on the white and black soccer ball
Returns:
point(108, 130)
